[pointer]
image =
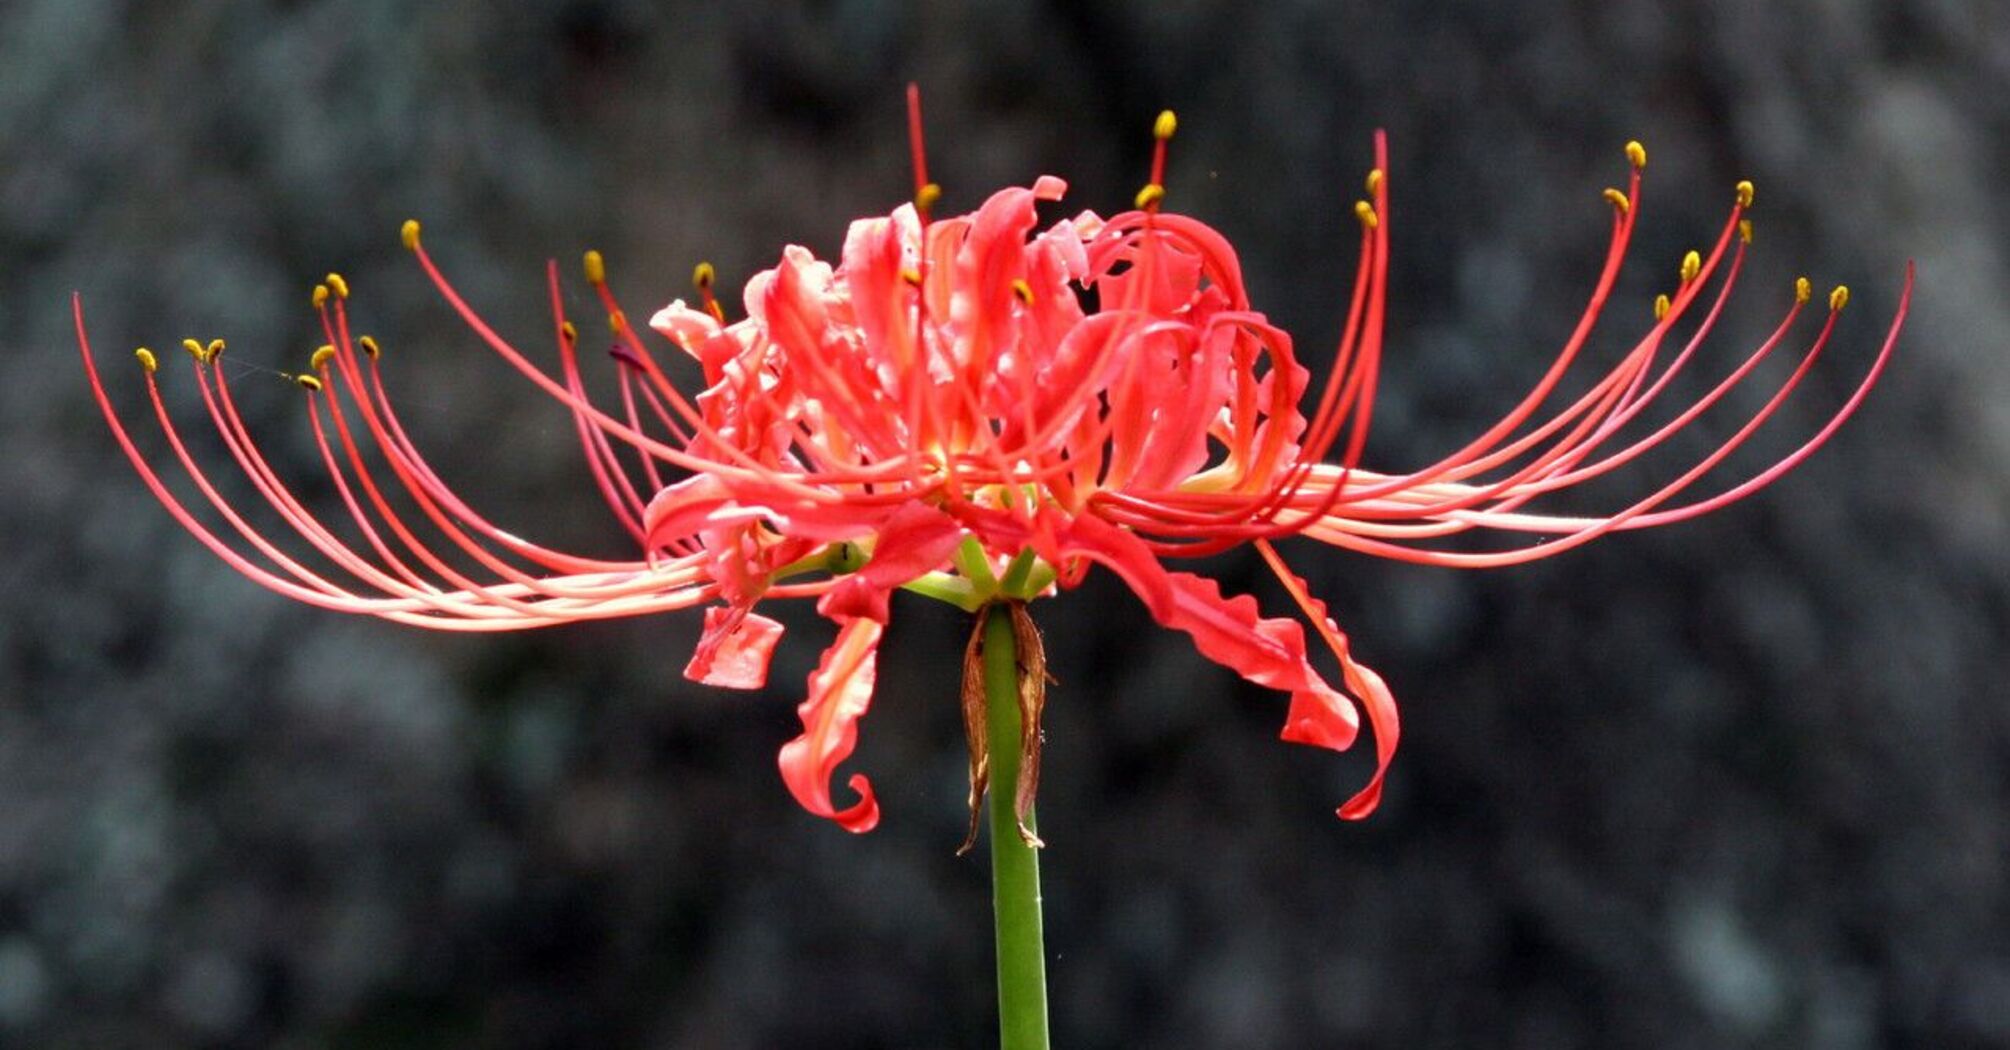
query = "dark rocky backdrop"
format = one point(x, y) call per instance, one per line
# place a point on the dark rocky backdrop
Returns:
point(1740, 783)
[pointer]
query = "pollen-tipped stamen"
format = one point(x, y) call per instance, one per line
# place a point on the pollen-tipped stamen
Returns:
point(613, 482)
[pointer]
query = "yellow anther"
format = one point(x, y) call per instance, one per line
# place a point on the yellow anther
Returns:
point(1803, 291)
point(1618, 200)
point(1839, 298)
point(308, 383)
point(194, 350)
point(1744, 191)
point(1745, 230)
point(1165, 125)
point(369, 346)
point(911, 276)
point(596, 267)
point(1636, 155)
point(1374, 182)
point(569, 332)
point(320, 296)
point(214, 348)
point(703, 275)
point(1692, 264)
point(321, 356)
point(1661, 307)
point(1150, 196)
point(617, 322)
point(409, 234)
point(146, 358)
point(1365, 212)
point(337, 285)
point(926, 196)
point(1023, 290)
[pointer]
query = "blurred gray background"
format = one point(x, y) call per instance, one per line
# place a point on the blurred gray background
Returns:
point(1739, 783)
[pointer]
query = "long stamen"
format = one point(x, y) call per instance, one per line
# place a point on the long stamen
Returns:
point(926, 193)
point(1623, 222)
point(394, 430)
point(703, 276)
point(419, 482)
point(629, 593)
point(1642, 514)
point(223, 408)
point(746, 470)
point(612, 480)
point(1154, 192)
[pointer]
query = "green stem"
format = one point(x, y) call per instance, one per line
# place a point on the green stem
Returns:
point(1015, 866)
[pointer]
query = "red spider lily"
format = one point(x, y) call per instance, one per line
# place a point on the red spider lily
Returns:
point(943, 410)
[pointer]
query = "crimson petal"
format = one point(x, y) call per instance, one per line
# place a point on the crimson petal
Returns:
point(1365, 684)
point(735, 648)
point(840, 693)
point(1269, 652)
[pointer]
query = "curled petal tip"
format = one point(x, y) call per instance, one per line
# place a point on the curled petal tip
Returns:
point(840, 693)
point(1363, 805)
point(863, 815)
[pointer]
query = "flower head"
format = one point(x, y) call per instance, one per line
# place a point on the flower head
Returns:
point(980, 408)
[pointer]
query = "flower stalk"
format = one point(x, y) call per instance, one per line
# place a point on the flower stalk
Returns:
point(1010, 678)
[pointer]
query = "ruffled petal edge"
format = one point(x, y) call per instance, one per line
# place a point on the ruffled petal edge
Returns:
point(840, 692)
point(735, 649)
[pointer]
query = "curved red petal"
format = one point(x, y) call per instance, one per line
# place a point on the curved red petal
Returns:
point(840, 693)
point(1269, 652)
point(1381, 707)
point(1366, 685)
point(688, 328)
